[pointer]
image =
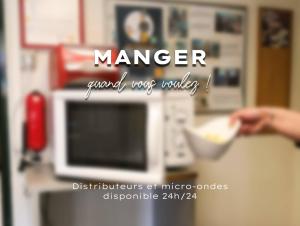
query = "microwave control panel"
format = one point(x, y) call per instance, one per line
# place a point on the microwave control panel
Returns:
point(179, 113)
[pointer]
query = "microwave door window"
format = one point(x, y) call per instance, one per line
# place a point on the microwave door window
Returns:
point(107, 135)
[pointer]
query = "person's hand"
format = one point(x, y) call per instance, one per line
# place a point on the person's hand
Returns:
point(255, 120)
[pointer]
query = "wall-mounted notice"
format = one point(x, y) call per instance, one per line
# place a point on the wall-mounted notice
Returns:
point(46, 23)
point(218, 30)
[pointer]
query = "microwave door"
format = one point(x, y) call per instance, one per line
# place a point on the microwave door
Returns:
point(107, 135)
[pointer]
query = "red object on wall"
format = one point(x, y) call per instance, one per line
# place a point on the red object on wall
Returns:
point(72, 63)
point(35, 122)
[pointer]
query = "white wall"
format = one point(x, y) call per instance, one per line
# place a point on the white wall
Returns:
point(295, 96)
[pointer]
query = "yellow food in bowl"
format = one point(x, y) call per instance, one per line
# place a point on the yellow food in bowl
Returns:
point(215, 138)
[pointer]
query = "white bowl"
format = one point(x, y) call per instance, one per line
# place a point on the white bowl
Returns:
point(204, 147)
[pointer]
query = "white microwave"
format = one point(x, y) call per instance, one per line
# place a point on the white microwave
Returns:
point(118, 136)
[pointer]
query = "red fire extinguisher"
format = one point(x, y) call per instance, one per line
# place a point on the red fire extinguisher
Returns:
point(35, 122)
point(34, 130)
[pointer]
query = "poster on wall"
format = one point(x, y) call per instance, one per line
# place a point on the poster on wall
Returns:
point(275, 28)
point(218, 30)
point(45, 24)
point(139, 28)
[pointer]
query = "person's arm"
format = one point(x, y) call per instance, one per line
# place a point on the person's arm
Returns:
point(255, 120)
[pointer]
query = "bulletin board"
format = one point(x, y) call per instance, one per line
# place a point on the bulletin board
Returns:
point(44, 24)
point(220, 30)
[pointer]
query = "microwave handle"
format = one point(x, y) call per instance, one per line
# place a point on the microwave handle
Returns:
point(155, 125)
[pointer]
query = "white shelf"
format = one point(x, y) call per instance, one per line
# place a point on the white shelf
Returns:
point(41, 178)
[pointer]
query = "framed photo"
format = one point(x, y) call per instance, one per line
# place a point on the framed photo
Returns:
point(45, 24)
point(227, 22)
point(177, 22)
point(275, 26)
